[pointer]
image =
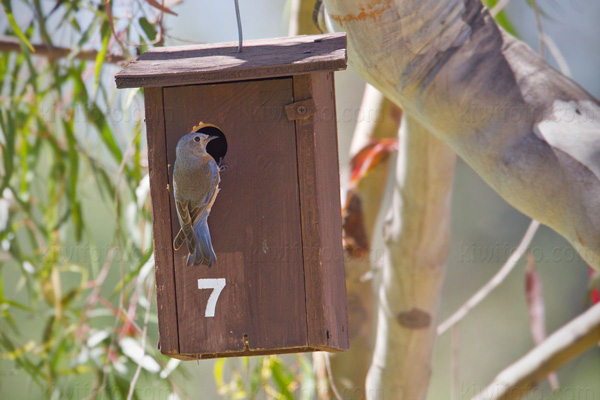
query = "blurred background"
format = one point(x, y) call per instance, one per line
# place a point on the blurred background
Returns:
point(485, 229)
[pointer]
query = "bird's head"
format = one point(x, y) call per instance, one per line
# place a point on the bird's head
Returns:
point(194, 143)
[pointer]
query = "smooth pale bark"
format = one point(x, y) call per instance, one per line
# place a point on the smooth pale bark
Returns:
point(417, 235)
point(530, 132)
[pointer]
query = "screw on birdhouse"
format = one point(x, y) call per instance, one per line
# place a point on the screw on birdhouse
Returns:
point(246, 345)
point(301, 110)
point(307, 52)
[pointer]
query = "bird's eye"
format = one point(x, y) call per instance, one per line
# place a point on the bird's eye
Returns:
point(197, 139)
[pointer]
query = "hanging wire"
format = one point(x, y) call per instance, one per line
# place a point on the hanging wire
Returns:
point(239, 25)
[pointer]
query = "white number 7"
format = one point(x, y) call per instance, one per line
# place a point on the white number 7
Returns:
point(217, 285)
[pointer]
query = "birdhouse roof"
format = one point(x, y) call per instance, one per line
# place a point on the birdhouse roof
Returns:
point(220, 62)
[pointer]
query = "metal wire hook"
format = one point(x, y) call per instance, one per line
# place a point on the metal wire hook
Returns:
point(239, 25)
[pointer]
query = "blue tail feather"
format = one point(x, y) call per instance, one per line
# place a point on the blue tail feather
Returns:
point(204, 254)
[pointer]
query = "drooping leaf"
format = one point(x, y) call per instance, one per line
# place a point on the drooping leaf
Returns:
point(133, 349)
point(15, 27)
point(309, 383)
point(148, 28)
point(502, 18)
point(7, 123)
point(282, 378)
point(254, 381)
point(100, 57)
point(160, 7)
point(370, 156)
point(73, 179)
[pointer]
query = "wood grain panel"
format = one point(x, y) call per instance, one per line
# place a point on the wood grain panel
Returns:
point(218, 62)
point(255, 222)
point(330, 215)
point(161, 223)
point(318, 164)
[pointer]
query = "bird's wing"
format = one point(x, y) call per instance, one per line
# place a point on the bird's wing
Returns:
point(202, 209)
point(194, 216)
point(186, 224)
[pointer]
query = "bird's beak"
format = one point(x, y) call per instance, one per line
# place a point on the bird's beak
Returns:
point(212, 137)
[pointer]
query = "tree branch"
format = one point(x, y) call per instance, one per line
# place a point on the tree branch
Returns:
point(417, 245)
point(530, 132)
point(564, 345)
point(11, 44)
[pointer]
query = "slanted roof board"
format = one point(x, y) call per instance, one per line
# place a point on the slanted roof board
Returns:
point(220, 62)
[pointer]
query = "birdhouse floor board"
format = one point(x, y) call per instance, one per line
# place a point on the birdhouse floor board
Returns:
point(287, 350)
point(263, 58)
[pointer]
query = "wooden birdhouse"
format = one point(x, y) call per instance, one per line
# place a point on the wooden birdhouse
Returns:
point(278, 283)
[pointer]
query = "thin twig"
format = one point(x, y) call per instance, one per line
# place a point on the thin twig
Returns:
point(560, 60)
point(144, 335)
point(159, 39)
point(493, 283)
point(184, 40)
point(11, 44)
point(562, 346)
point(499, 7)
point(538, 21)
point(318, 10)
point(336, 393)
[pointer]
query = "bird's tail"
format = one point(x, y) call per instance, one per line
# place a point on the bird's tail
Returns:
point(204, 254)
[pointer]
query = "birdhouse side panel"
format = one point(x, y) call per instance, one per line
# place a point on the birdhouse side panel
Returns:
point(254, 223)
point(330, 218)
point(321, 214)
point(161, 222)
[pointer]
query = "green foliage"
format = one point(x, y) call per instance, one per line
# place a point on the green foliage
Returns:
point(265, 377)
point(74, 209)
point(13, 24)
point(501, 18)
point(75, 251)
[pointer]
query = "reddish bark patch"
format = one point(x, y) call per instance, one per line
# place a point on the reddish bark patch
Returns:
point(370, 12)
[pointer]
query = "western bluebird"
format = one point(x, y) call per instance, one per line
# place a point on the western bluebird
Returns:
point(196, 184)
